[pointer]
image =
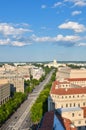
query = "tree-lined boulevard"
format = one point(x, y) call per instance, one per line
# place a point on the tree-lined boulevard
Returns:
point(20, 120)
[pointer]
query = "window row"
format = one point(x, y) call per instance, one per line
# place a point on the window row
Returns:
point(74, 105)
point(72, 96)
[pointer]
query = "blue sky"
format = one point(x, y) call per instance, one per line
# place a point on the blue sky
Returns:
point(42, 30)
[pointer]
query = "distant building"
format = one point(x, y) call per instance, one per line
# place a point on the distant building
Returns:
point(37, 72)
point(17, 83)
point(54, 64)
point(66, 72)
point(4, 91)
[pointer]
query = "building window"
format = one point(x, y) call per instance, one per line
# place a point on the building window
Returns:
point(66, 105)
point(82, 96)
point(61, 106)
point(79, 114)
point(78, 105)
point(62, 97)
point(83, 103)
point(79, 122)
point(70, 104)
point(74, 104)
point(72, 114)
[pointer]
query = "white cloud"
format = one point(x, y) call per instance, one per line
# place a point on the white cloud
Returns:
point(40, 39)
point(58, 38)
point(10, 42)
point(82, 44)
point(68, 38)
point(7, 29)
point(4, 41)
point(57, 4)
point(17, 43)
point(77, 2)
point(73, 25)
point(76, 13)
point(80, 3)
point(43, 6)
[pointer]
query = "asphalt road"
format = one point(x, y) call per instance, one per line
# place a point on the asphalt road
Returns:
point(20, 120)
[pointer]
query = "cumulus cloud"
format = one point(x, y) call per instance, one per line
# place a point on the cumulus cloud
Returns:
point(13, 34)
point(76, 13)
point(79, 3)
point(14, 42)
point(11, 42)
point(68, 38)
point(43, 6)
point(7, 29)
point(74, 26)
point(17, 43)
point(57, 4)
point(4, 41)
point(67, 41)
point(82, 44)
point(40, 39)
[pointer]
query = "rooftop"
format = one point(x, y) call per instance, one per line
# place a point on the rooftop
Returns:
point(53, 121)
point(69, 109)
point(76, 79)
point(67, 91)
point(3, 81)
point(47, 122)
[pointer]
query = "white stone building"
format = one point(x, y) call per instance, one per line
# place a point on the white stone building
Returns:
point(69, 99)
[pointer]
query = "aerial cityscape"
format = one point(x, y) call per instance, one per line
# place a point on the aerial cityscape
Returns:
point(43, 65)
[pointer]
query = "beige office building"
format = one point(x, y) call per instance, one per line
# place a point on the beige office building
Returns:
point(69, 100)
point(18, 83)
point(66, 72)
point(4, 91)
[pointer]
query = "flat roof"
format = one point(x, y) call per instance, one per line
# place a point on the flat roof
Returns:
point(3, 81)
point(68, 91)
point(69, 109)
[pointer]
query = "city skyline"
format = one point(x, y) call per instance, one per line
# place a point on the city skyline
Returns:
point(42, 30)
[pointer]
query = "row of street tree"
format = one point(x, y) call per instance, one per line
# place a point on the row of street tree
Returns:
point(31, 84)
point(41, 104)
point(7, 109)
point(11, 106)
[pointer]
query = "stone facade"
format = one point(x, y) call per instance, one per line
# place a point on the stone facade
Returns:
point(66, 72)
point(4, 91)
point(70, 98)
